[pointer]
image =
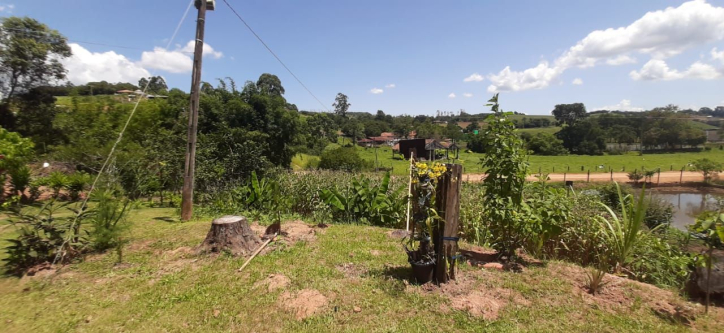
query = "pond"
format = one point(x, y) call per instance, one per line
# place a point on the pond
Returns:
point(688, 205)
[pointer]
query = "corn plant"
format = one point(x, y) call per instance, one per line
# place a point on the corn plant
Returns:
point(621, 234)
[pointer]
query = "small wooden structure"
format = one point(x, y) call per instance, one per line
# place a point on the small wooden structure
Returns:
point(446, 234)
point(230, 234)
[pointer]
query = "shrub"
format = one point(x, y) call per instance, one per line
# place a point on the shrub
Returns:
point(20, 179)
point(366, 202)
point(57, 181)
point(657, 262)
point(109, 222)
point(39, 238)
point(77, 183)
point(708, 168)
point(343, 159)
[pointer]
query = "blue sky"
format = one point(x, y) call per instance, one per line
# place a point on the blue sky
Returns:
point(425, 48)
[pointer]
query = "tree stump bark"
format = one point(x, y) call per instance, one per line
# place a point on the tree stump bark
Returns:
point(230, 234)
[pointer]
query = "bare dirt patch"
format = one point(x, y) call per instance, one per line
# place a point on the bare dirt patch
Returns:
point(466, 294)
point(398, 234)
point(351, 270)
point(303, 304)
point(291, 232)
point(622, 294)
point(274, 282)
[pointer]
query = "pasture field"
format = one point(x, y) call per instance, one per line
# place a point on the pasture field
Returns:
point(554, 164)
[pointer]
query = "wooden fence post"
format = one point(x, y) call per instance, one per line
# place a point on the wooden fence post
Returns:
point(446, 233)
point(588, 178)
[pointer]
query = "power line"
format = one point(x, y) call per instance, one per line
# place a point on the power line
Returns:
point(275, 56)
point(39, 34)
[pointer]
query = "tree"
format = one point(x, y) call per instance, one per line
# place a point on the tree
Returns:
point(474, 126)
point(583, 138)
point(269, 84)
point(341, 105)
point(569, 113)
point(506, 169)
point(707, 167)
point(30, 55)
point(545, 144)
point(156, 84)
point(402, 126)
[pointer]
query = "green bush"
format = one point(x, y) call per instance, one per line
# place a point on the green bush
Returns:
point(20, 179)
point(342, 159)
point(77, 183)
point(657, 262)
point(109, 222)
point(39, 238)
point(56, 182)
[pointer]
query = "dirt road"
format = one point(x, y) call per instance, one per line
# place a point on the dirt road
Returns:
point(666, 177)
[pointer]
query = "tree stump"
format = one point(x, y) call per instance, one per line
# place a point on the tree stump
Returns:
point(230, 234)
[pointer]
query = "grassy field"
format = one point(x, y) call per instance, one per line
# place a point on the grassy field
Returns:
point(559, 164)
point(354, 277)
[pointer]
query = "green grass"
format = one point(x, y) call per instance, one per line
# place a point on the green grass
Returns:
point(559, 164)
point(551, 130)
point(161, 290)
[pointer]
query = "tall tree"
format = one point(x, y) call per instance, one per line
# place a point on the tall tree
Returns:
point(30, 55)
point(569, 113)
point(341, 105)
point(269, 84)
point(156, 84)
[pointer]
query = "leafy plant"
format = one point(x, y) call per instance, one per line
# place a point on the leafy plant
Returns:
point(77, 183)
point(40, 238)
point(708, 168)
point(363, 201)
point(622, 234)
point(343, 159)
point(506, 170)
point(595, 280)
point(709, 227)
point(109, 223)
point(635, 176)
point(57, 181)
point(20, 179)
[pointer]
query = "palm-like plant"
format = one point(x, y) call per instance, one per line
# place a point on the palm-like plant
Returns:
point(622, 233)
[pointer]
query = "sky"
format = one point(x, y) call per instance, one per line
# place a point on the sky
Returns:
point(416, 57)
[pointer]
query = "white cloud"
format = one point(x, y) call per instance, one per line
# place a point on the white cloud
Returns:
point(376, 91)
point(176, 61)
point(659, 34)
point(624, 105)
point(391, 85)
point(532, 78)
point(577, 81)
point(207, 51)
point(7, 8)
point(169, 61)
point(475, 77)
point(85, 66)
point(657, 69)
point(621, 60)
point(468, 95)
point(452, 95)
point(716, 55)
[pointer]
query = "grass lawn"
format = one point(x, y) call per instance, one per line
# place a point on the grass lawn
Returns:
point(354, 275)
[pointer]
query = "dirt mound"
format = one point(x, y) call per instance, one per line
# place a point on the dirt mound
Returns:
point(351, 271)
point(304, 303)
point(621, 294)
point(274, 282)
point(297, 231)
point(466, 294)
point(291, 232)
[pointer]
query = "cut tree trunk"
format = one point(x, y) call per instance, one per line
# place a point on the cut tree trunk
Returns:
point(230, 234)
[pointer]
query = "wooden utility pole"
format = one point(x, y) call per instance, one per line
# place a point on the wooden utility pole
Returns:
point(187, 194)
